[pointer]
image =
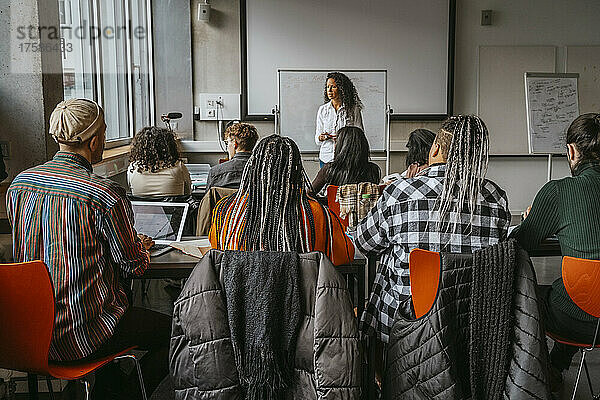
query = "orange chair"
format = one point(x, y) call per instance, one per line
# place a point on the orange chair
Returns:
point(424, 270)
point(27, 321)
point(333, 205)
point(581, 278)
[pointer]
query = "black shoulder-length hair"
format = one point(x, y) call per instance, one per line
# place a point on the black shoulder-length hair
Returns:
point(419, 144)
point(351, 158)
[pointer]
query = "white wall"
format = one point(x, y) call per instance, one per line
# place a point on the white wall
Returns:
point(519, 23)
point(515, 22)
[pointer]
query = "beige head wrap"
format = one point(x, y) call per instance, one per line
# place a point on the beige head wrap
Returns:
point(75, 121)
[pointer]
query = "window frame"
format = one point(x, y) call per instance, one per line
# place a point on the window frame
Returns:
point(94, 16)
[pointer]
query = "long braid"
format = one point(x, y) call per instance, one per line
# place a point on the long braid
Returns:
point(466, 166)
point(273, 186)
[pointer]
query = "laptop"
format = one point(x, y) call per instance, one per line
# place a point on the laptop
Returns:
point(162, 221)
point(199, 175)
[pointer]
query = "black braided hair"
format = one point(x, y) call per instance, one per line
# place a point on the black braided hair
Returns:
point(276, 185)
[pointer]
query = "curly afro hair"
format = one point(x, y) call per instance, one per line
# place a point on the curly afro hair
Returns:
point(153, 149)
point(245, 135)
point(347, 91)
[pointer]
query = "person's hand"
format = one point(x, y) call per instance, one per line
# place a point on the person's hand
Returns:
point(414, 169)
point(323, 137)
point(526, 212)
point(147, 241)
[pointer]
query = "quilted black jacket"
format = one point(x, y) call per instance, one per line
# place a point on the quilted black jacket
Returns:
point(327, 362)
point(428, 358)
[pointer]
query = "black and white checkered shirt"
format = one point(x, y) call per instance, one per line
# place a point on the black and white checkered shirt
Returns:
point(403, 219)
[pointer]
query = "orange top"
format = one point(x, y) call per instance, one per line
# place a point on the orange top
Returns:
point(330, 237)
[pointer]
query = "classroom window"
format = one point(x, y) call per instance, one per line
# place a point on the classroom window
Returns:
point(106, 58)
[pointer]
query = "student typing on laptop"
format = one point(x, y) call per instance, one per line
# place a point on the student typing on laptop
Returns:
point(161, 221)
point(80, 225)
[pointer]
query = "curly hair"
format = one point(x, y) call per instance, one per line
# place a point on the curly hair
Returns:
point(245, 135)
point(347, 91)
point(153, 149)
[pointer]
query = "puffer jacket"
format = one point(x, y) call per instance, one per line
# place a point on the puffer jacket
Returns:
point(327, 363)
point(428, 358)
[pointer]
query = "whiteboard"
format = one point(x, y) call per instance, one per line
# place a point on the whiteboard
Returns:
point(301, 94)
point(585, 60)
point(552, 104)
point(410, 39)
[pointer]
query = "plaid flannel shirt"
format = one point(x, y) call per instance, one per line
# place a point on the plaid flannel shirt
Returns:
point(404, 219)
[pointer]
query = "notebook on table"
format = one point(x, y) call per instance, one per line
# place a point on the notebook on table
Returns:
point(162, 221)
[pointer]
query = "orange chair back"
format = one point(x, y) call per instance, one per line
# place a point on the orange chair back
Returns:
point(26, 316)
point(333, 205)
point(424, 270)
point(581, 278)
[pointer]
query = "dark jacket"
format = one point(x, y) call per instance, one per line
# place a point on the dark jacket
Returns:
point(327, 362)
point(229, 173)
point(429, 357)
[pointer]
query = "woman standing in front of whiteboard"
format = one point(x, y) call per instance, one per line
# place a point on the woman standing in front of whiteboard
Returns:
point(342, 108)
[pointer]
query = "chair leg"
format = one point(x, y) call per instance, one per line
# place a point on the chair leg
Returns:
point(50, 389)
point(578, 373)
point(86, 384)
point(32, 383)
point(139, 373)
point(587, 373)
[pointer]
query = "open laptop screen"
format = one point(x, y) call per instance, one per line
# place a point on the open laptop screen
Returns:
point(162, 221)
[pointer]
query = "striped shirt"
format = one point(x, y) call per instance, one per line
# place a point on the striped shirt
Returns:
point(330, 239)
point(81, 226)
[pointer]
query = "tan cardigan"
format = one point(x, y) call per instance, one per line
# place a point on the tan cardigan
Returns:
point(174, 181)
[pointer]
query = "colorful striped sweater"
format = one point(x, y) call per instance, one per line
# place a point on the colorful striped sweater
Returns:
point(81, 226)
point(330, 237)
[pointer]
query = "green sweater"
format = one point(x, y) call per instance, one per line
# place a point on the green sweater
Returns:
point(570, 209)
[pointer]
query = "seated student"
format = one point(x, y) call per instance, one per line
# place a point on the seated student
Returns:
point(570, 209)
point(350, 162)
point(419, 143)
point(80, 226)
point(273, 212)
point(155, 169)
point(450, 207)
point(240, 139)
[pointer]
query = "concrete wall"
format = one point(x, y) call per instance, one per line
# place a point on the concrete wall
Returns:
point(27, 96)
point(216, 55)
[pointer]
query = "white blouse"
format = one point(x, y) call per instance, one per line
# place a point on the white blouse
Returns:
point(174, 181)
point(330, 121)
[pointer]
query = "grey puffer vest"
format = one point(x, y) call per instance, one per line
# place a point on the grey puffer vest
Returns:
point(428, 358)
point(327, 362)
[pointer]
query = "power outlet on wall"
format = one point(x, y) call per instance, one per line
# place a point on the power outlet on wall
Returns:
point(219, 106)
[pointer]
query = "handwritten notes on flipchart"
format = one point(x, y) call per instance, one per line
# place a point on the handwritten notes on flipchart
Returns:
point(552, 104)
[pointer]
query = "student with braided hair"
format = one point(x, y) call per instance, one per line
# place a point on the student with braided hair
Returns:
point(272, 210)
point(449, 206)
